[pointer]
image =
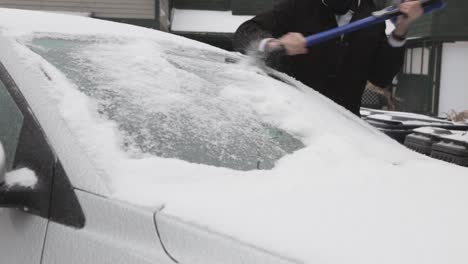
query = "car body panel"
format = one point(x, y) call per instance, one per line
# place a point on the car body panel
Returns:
point(115, 233)
point(188, 243)
point(22, 237)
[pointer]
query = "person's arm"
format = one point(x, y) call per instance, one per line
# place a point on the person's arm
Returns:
point(390, 54)
point(261, 31)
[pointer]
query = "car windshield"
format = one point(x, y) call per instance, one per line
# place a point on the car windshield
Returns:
point(172, 102)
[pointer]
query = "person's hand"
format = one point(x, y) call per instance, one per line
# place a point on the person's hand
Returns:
point(412, 10)
point(293, 43)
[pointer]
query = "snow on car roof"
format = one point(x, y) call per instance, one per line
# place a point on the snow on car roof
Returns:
point(350, 195)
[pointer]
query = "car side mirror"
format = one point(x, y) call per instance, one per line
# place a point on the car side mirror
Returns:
point(13, 191)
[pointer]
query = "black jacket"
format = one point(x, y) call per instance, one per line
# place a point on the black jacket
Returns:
point(338, 68)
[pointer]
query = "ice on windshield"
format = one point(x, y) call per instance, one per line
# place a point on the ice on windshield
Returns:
point(171, 102)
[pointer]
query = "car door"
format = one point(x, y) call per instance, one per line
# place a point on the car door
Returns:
point(47, 224)
point(24, 212)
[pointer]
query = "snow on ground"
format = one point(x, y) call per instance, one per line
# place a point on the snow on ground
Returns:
point(348, 195)
point(419, 120)
point(21, 177)
point(399, 116)
point(461, 136)
point(188, 20)
point(83, 14)
point(2, 163)
point(206, 21)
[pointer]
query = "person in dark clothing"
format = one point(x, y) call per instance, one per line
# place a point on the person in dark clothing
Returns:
point(339, 68)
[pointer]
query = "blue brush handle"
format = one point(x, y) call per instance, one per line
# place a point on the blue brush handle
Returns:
point(377, 18)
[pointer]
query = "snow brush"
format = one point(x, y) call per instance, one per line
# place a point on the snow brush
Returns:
point(377, 17)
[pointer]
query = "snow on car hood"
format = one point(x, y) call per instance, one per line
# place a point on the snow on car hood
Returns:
point(344, 194)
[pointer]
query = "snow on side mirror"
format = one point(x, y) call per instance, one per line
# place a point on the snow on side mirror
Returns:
point(14, 184)
point(2, 165)
point(2, 174)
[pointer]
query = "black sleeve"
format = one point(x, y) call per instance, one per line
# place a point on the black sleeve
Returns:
point(388, 62)
point(271, 24)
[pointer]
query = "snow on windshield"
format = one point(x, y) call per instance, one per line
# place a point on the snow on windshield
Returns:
point(172, 103)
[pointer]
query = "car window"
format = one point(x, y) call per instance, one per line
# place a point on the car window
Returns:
point(184, 113)
point(11, 122)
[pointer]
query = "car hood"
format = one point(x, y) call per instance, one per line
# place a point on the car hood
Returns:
point(360, 211)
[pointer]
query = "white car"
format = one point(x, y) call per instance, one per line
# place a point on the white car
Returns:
point(128, 145)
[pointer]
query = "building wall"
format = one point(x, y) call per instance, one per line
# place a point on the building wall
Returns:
point(250, 7)
point(448, 23)
point(165, 9)
point(203, 4)
point(453, 21)
point(454, 78)
point(132, 9)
